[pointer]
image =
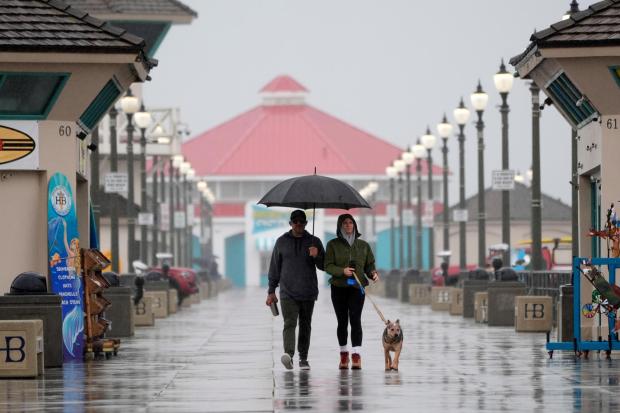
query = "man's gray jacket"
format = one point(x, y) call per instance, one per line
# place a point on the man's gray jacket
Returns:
point(293, 269)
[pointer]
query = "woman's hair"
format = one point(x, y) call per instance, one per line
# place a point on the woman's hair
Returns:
point(341, 219)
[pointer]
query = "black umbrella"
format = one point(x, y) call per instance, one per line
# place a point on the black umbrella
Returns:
point(314, 191)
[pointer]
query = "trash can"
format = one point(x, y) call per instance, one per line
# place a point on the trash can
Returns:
point(565, 313)
point(28, 299)
point(475, 281)
point(29, 283)
point(412, 276)
point(392, 283)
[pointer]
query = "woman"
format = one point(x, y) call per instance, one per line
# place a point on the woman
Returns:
point(348, 256)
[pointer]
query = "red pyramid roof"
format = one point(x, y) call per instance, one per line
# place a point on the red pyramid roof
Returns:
point(289, 139)
point(283, 83)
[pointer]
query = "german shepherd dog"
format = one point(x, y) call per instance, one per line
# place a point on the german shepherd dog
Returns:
point(392, 341)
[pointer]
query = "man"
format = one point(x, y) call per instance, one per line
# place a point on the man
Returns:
point(294, 260)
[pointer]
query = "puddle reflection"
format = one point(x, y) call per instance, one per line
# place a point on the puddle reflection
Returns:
point(350, 390)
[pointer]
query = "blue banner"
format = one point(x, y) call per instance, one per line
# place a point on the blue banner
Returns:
point(64, 263)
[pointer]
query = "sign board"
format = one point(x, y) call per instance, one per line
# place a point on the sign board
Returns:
point(460, 215)
point(63, 247)
point(190, 215)
point(19, 145)
point(428, 216)
point(179, 219)
point(164, 217)
point(503, 180)
point(392, 211)
point(408, 216)
point(145, 218)
point(116, 182)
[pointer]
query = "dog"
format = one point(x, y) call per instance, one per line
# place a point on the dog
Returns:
point(392, 341)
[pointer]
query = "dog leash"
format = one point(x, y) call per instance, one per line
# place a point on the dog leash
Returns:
point(371, 300)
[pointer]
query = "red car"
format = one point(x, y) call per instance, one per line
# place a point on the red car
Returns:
point(185, 278)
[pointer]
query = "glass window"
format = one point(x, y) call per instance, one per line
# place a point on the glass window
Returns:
point(29, 95)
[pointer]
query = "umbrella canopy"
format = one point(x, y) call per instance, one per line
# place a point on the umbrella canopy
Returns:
point(314, 191)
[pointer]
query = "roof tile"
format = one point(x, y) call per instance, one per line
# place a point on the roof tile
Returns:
point(50, 25)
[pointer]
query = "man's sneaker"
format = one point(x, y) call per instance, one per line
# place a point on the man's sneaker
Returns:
point(356, 363)
point(287, 360)
point(344, 360)
point(304, 365)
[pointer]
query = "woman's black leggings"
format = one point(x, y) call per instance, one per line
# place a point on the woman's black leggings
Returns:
point(348, 303)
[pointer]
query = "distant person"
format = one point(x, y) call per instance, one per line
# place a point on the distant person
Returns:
point(345, 255)
point(295, 258)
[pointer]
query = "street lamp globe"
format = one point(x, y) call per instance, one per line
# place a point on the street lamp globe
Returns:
point(519, 178)
point(130, 104)
point(201, 185)
point(503, 80)
point(185, 166)
point(419, 151)
point(407, 157)
point(400, 165)
point(461, 114)
point(143, 118)
point(479, 98)
point(444, 128)
point(374, 186)
point(428, 139)
point(391, 172)
point(177, 160)
point(191, 173)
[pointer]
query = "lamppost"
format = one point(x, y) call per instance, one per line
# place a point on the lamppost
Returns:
point(428, 141)
point(461, 116)
point(130, 105)
point(373, 186)
point(114, 208)
point(537, 259)
point(503, 83)
point(183, 198)
point(400, 165)
point(444, 129)
point(157, 199)
point(143, 121)
point(479, 100)
point(202, 187)
point(175, 164)
point(418, 153)
point(408, 158)
point(390, 171)
point(189, 176)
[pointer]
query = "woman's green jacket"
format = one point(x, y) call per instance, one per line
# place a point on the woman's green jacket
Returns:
point(339, 254)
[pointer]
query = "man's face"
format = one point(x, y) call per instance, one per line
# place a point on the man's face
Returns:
point(298, 226)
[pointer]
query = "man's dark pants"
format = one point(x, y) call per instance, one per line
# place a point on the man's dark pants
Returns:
point(291, 311)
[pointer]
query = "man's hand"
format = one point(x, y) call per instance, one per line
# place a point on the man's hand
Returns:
point(271, 298)
point(348, 271)
point(313, 251)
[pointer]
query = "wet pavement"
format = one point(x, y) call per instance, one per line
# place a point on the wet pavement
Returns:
point(223, 355)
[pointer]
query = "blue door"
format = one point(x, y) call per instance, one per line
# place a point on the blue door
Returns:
point(235, 259)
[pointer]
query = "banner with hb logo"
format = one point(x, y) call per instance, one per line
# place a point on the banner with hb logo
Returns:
point(64, 263)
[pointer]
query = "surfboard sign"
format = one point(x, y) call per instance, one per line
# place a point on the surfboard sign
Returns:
point(19, 145)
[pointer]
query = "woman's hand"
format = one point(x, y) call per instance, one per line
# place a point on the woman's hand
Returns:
point(348, 271)
point(375, 276)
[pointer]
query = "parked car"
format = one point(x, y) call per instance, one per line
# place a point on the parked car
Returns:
point(183, 279)
point(454, 271)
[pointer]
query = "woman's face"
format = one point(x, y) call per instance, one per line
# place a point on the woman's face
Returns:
point(348, 226)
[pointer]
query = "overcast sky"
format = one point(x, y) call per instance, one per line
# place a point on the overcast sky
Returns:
point(389, 67)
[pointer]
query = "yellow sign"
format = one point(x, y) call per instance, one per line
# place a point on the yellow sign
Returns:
point(14, 145)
